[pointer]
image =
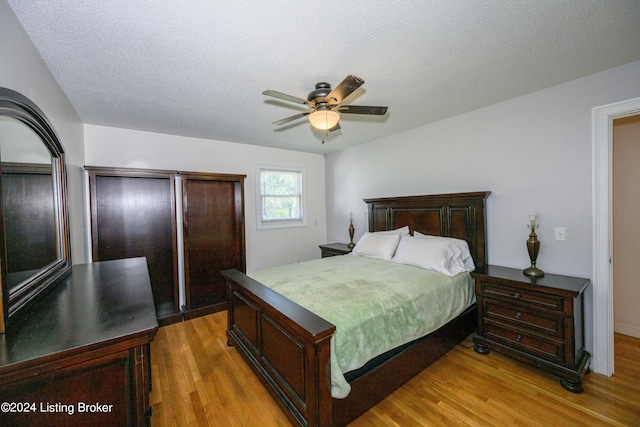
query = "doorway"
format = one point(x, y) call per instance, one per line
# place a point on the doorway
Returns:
point(602, 144)
point(625, 227)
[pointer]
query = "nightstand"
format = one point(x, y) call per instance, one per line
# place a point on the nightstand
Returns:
point(539, 321)
point(333, 249)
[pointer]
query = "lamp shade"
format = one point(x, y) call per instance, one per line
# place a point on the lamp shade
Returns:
point(324, 119)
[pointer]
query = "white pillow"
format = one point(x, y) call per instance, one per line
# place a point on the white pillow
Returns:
point(402, 231)
point(430, 254)
point(462, 245)
point(377, 245)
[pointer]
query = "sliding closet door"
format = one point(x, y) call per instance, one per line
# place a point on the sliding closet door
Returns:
point(213, 221)
point(133, 215)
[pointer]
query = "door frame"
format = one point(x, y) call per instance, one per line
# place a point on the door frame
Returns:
point(602, 148)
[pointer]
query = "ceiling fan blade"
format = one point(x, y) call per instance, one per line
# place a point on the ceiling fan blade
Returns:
point(290, 119)
point(336, 127)
point(286, 97)
point(362, 109)
point(344, 89)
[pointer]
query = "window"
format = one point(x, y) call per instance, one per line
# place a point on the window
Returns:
point(279, 197)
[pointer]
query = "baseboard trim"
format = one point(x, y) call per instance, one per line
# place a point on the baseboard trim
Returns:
point(624, 329)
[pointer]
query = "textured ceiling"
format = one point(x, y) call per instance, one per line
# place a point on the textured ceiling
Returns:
point(198, 68)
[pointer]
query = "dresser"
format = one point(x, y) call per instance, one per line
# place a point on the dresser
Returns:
point(539, 321)
point(80, 356)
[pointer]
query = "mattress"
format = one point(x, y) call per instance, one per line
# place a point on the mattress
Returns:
point(375, 305)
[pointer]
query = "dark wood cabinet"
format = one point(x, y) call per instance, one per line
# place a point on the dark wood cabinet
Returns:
point(133, 215)
point(80, 356)
point(539, 321)
point(333, 249)
point(213, 223)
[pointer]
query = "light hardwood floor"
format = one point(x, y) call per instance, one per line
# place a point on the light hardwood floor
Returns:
point(199, 381)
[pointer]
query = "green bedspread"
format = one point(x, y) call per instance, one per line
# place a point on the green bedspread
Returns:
point(375, 305)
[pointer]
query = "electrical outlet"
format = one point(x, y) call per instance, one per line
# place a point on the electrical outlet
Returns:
point(561, 233)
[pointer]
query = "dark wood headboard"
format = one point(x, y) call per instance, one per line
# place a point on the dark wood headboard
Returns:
point(459, 215)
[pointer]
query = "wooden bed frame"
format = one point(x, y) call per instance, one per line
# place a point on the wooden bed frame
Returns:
point(288, 347)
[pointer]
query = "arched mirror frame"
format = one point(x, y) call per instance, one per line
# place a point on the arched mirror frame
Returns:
point(19, 107)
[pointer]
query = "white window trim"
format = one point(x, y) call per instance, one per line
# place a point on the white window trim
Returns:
point(260, 225)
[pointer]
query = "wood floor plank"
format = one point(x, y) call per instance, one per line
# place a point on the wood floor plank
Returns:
point(200, 381)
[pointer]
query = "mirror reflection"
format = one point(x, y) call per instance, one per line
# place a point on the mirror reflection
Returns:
point(28, 198)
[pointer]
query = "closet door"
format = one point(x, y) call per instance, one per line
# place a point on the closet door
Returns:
point(213, 221)
point(133, 215)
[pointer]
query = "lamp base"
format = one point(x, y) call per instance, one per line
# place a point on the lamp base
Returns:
point(533, 271)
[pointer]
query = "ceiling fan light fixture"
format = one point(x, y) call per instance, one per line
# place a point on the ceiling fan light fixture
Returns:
point(324, 119)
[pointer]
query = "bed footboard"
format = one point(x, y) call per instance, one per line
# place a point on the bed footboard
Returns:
point(287, 346)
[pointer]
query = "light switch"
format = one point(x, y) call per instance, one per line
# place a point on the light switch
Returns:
point(561, 233)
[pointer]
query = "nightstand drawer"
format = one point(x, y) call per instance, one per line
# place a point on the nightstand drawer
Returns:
point(532, 298)
point(547, 349)
point(523, 318)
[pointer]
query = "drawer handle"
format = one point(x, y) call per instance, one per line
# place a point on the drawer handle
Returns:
point(517, 295)
point(518, 315)
point(519, 338)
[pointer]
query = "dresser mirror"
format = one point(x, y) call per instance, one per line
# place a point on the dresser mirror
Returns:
point(33, 210)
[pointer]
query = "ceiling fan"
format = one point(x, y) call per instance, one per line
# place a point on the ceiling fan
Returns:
point(324, 104)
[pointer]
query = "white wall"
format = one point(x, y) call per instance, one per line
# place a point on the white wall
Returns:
point(532, 152)
point(113, 147)
point(23, 70)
